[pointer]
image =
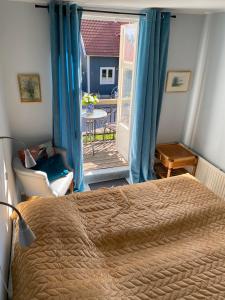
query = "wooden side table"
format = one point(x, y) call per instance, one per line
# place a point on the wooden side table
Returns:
point(173, 159)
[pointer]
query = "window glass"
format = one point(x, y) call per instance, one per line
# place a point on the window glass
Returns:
point(110, 73)
point(104, 73)
point(127, 82)
point(126, 96)
point(107, 75)
point(129, 42)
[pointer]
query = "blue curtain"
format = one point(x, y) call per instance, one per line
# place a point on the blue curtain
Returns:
point(150, 77)
point(65, 20)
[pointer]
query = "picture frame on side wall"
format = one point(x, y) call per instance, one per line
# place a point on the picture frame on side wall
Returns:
point(29, 87)
point(178, 81)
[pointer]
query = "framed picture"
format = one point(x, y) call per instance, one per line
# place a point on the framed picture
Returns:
point(178, 81)
point(29, 86)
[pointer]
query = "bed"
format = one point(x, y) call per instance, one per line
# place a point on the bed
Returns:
point(162, 239)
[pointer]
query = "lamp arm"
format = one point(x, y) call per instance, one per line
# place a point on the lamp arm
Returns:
point(11, 138)
point(29, 160)
point(25, 234)
point(16, 210)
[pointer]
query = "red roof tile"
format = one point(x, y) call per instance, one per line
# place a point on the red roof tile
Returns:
point(101, 38)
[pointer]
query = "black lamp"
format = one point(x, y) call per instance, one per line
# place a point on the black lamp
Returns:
point(26, 235)
point(29, 160)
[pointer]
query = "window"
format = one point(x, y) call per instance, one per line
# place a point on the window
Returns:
point(107, 75)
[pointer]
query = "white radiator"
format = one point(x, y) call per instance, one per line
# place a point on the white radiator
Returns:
point(211, 177)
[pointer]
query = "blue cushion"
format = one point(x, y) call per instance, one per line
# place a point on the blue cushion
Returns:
point(53, 166)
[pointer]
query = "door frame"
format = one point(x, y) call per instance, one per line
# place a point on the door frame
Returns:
point(132, 66)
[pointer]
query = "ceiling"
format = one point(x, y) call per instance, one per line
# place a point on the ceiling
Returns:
point(186, 6)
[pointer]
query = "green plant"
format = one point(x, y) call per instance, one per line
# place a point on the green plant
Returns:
point(99, 137)
point(89, 99)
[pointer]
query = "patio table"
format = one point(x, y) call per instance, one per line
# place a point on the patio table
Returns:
point(90, 120)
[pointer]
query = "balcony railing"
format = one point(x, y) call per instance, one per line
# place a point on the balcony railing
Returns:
point(110, 106)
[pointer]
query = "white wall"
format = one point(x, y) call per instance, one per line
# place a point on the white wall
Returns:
point(7, 191)
point(209, 139)
point(7, 184)
point(185, 36)
point(25, 47)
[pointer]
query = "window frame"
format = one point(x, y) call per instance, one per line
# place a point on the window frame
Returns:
point(107, 80)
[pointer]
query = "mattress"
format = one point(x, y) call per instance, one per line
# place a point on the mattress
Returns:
point(163, 239)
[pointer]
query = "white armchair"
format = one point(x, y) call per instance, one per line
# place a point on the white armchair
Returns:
point(36, 183)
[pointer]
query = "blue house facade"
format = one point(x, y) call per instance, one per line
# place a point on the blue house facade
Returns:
point(100, 57)
point(104, 75)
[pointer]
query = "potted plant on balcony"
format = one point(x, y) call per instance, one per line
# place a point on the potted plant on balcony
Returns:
point(89, 100)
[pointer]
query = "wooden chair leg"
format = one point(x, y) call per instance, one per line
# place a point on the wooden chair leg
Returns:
point(169, 172)
point(194, 170)
point(71, 187)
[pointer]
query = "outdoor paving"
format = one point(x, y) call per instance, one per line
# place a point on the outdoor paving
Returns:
point(106, 156)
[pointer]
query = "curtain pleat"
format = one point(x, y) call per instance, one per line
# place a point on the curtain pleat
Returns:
point(150, 77)
point(65, 20)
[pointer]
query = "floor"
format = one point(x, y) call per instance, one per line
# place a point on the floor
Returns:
point(108, 184)
point(106, 156)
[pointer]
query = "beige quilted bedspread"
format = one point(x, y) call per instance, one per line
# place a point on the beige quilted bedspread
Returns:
point(163, 239)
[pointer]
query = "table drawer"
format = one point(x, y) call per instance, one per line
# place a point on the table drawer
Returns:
point(179, 163)
point(184, 162)
point(162, 159)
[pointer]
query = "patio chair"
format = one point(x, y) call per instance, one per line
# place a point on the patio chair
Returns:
point(110, 125)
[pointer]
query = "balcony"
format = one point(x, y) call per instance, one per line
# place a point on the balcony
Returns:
point(105, 150)
point(106, 156)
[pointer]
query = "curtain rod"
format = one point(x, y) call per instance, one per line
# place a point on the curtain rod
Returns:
point(102, 11)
